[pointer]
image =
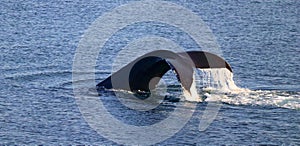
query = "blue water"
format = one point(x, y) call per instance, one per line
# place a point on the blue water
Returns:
point(38, 40)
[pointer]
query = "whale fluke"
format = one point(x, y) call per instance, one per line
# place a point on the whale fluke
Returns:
point(203, 60)
point(144, 73)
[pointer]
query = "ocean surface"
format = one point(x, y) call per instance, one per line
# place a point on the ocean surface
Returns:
point(258, 38)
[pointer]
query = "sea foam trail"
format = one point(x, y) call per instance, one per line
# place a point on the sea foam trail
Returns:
point(218, 85)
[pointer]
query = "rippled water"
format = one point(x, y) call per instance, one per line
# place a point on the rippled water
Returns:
point(260, 40)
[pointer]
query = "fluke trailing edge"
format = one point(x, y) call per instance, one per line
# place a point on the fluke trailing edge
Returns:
point(144, 73)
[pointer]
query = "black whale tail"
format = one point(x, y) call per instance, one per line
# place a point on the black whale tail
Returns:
point(144, 73)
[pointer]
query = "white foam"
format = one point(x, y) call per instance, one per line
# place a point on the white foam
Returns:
point(219, 86)
point(192, 94)
point(220, 79)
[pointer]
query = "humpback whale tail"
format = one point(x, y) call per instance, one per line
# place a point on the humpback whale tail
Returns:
point(144, 73)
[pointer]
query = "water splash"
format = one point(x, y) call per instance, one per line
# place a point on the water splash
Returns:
point(221, 80)
point(192, 94)
point(218, 80)
point(218, 85)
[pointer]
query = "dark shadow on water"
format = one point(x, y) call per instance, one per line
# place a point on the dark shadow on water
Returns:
point(135, 117)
